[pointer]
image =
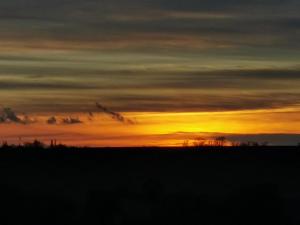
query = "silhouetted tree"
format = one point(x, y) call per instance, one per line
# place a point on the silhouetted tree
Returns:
point(35, 144)
point(4, 144)
point(253, 144)
point(264, 143)
point(220, 141)
point(185, 143)
point(235, 143)
point(199, 142)
point(249, 144)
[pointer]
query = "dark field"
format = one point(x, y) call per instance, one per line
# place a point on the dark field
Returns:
point(237, 186)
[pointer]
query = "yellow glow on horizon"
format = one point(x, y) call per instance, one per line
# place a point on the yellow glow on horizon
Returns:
point(155, 128)
point(246, 121)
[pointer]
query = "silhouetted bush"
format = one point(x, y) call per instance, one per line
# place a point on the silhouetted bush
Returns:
point(36, 144)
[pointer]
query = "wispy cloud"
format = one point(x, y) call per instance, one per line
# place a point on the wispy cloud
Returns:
point(63, 121)
point(90, 116)
point(9, 116)
point(70, 121)
point(114, 115)
point(52, 120)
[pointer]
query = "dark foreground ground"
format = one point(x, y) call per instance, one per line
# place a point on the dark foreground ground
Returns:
point(237, 186)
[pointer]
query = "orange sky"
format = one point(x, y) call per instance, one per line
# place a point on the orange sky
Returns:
point(155, 128)
point(179, 68)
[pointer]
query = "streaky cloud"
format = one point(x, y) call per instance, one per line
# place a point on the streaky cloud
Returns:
point(114, 115)
point(90, 116)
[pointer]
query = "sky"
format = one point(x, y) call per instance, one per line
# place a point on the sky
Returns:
point(149, 72)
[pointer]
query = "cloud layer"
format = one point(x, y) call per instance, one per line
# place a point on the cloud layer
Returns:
point(59, 57)
point(146, 49)
point(100, 23)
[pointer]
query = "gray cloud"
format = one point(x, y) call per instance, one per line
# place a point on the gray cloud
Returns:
point(139, 79)
point(182, 34)
point(38, 85)
point(246, 23)
point(208, 102)
point(52, 120)
point(70, 121)
point(90, 116)
point(159, 91)
point(114, 115)
point(64, 121)
point(49, 9)
point(9, 116)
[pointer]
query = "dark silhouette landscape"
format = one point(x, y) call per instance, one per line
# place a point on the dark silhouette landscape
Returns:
point(218, 79)
point(151, 185)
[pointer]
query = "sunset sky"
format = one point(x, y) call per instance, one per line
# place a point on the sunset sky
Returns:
point(149, 72)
